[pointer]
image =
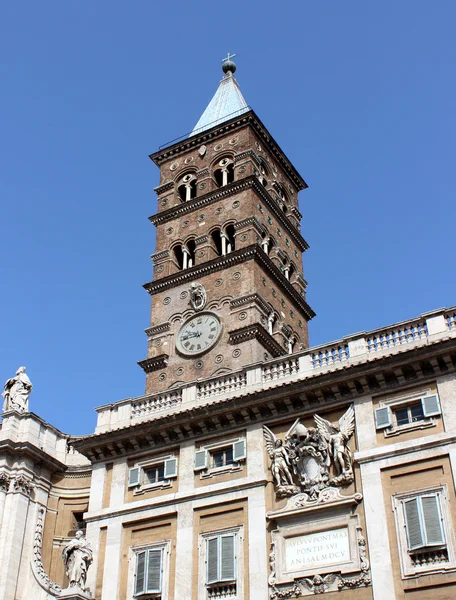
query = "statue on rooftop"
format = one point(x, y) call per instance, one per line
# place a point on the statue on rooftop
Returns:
point(16, 392)
point(77, 557)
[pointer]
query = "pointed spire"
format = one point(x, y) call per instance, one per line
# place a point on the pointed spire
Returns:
point(228, 101)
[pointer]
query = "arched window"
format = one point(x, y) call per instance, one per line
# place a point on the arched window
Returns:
point(286, 267)
point(179, 255)
point(272, 322)
point(282, 195)
point(185, 254)
point(263, 172)
point(224, 174)
point(267, 243)
point(187, 187)
point(291, 271)
point(224, 240)
point(291, 343)
point(217, 239)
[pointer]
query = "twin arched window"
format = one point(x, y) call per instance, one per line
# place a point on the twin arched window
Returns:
point(224, 240)
point(187, 187)
point(267, 243)
point(185, 254)
point(224, 173)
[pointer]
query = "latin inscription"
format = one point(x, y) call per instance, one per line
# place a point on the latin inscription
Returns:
point(317, 549)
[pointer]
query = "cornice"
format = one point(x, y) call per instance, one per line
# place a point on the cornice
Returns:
point(250, 182)
point(160, 189)
point(248, 118)
point(256, 332)
point(256, 298)
point(36, 454)
point(161, 328)
point(154, 364)
point(224, 262)
point(277, 401)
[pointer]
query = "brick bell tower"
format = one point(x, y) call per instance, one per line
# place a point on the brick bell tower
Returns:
point(228, 287)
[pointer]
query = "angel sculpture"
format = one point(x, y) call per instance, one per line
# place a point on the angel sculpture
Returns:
point(337, 439)
point(319, 584)
point(280, 462)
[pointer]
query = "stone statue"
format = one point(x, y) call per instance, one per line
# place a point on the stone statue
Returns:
point(280, 462)
point(77, 557)
point(337, 438)
point(16, 392)
point(198, 296)
point(312, 460)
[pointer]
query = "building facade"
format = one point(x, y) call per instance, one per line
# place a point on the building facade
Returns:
point(254, 467)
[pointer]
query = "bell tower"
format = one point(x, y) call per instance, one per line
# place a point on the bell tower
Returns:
point(228, 287)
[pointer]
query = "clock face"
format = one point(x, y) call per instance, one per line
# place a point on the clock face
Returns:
point(199, 334)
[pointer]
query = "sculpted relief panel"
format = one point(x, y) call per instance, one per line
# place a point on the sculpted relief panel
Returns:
point(308, 460)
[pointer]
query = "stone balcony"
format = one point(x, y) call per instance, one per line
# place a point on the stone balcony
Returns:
point(364, 347)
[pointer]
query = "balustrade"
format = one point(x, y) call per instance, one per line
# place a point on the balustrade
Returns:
point(224, 385)
point(326, 357)
point(405, 334)
point(280, 369)
point(144, 406)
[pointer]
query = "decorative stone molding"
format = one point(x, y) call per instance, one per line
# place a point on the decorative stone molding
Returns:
point(251, 299)
point(160, 255)
point(253, 251)
point(165, 187)
point(180, 146)
point(161, 328)
point(256, 332)
point(23, 485)
point(154, 364)
point(5, 481)
point(37, 565)
point(250, 182)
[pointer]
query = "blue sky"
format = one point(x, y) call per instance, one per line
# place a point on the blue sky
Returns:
point(359, 95)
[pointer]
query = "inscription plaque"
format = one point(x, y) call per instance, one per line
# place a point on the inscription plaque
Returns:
point(317, 549)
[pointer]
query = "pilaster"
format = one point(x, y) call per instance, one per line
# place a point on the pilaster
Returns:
point(185, 551)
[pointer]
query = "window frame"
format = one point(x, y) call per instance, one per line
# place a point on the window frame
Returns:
point(143, 485)
point(165, 547)
point(389, 425)
point(408, 568)
point(204, 588)
point(206, 470)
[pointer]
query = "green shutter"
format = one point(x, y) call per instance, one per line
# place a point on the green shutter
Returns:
point(170, 468)
point(154, 570)
point(140, 573)
point(200, 460)
point(415, 535)
point(431, 406)
point(382, 417)
point(134, 476)
point(432, 520)
point(227, 571)
point(212, 560)
point(239, 450)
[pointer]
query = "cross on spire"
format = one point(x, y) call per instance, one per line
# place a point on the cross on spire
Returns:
point(228, 58)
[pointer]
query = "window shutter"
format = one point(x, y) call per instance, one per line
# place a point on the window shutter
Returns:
point(432, 520)
point(431, 406)
point(154, 570)
point(239, 450)
point(382, 417)
point(413, 524)
point(212, 560)
point(134, 476)
point(227, 558)
point(170, 468)
point(140, 573)
point(200, 460)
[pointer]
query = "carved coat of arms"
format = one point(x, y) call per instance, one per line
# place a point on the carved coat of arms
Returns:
point(310, 459)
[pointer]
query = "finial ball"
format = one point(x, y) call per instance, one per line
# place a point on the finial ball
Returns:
point(229, 66)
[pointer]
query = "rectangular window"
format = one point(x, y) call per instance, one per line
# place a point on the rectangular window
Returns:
point(220, 557)
point(424, 531)
point(220, 456)
point(154, 473)
point(148, 572)
point(395, 416)
point(423, 522)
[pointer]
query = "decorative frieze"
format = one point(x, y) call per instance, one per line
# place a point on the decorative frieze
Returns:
point(256, 332)
point(156, 329)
